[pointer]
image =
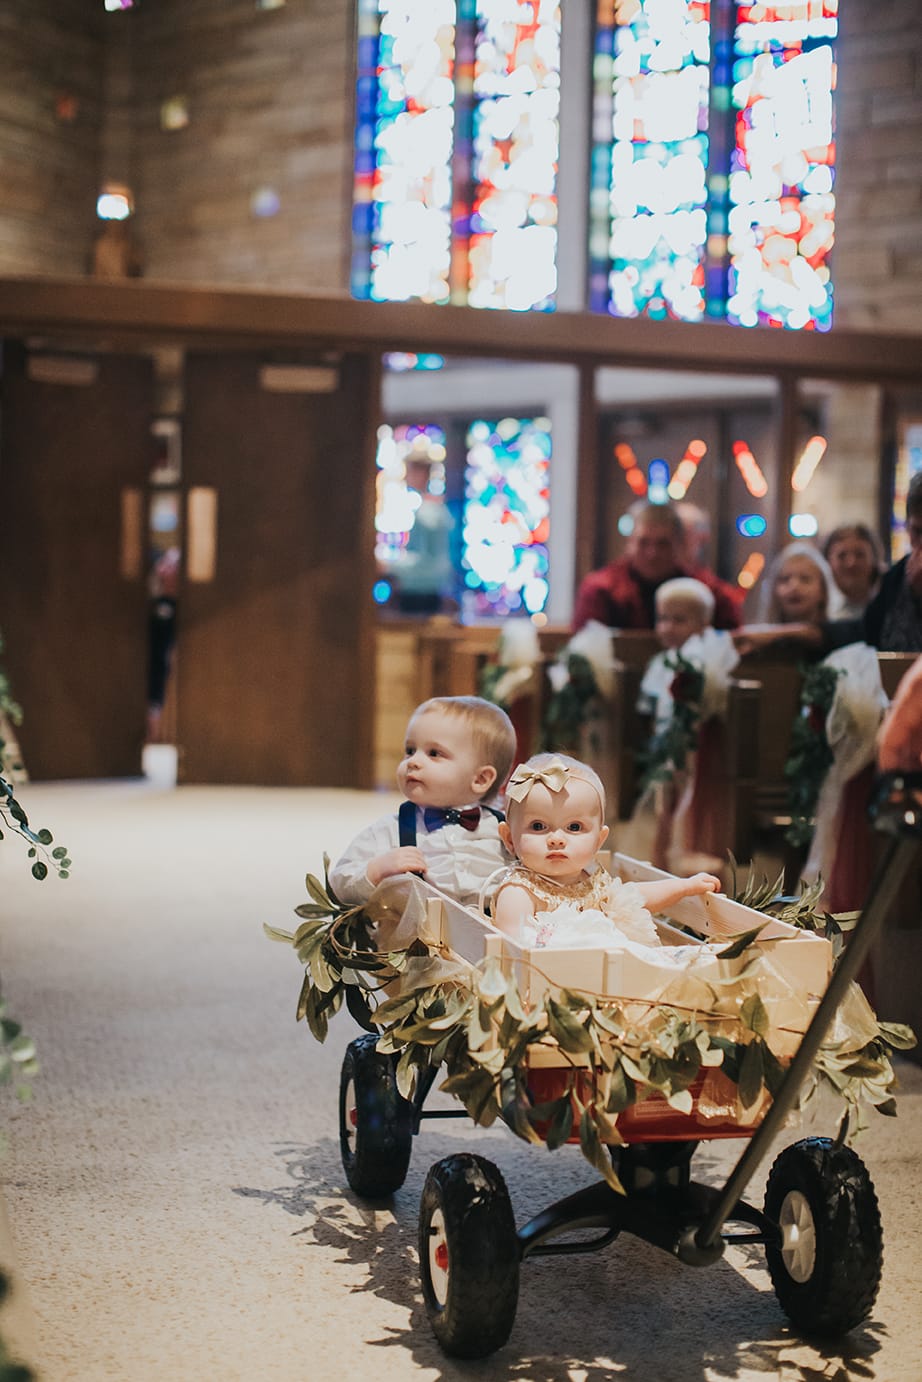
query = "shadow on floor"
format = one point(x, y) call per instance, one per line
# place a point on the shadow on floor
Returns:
point(631, 1313)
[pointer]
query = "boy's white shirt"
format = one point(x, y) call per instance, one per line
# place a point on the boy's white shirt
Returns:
point(458, 861)
point(713, 652)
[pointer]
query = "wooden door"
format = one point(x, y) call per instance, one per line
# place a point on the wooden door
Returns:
point(75, 449)
point(275, 670)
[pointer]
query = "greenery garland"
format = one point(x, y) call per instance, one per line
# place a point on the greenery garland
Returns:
point(470, 1019)
point(570, 709)
point(667, 751)
point(810, 756)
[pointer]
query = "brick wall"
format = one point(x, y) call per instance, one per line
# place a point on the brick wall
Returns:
point(269, 95)
point(49, 49)
point(878, 254)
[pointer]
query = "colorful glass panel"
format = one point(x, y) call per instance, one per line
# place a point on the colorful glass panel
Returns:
point(908, 464)
point(655, 58)
point(404, 134)
point(506, 517)
point(713, 160)
point(781, 216)
point(512, 249)
point(396, 505)
point(456, 151)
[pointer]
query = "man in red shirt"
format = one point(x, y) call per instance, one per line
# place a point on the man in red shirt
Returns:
point(621, 595)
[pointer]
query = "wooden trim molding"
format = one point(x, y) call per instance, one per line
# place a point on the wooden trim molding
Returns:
point(139, 313)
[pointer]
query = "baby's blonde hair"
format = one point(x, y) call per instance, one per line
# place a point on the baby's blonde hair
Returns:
point(687, 591)
point(491, 729)
point(581, 771)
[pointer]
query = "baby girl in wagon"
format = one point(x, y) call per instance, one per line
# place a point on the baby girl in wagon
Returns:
point(555, 894)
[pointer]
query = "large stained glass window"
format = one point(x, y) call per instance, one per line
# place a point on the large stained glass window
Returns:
point(456, 152)
point(506, 517)
point(713, 161)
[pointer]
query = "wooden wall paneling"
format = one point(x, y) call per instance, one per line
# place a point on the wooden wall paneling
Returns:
point(74, 456)
point(276, 672)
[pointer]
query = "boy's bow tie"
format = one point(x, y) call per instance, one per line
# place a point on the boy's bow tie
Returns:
point(434, 817)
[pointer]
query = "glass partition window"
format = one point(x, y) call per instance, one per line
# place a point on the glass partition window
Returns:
point(463, 515)
point(713, 161)
point(456, 152)
point(506, 517)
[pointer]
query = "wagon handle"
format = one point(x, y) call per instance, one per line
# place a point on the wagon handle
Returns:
point(896, 811)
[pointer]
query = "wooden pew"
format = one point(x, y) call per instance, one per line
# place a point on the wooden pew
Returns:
point(763, 704)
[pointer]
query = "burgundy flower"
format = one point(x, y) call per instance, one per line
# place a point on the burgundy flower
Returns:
point(684, 686)
point(816, 718)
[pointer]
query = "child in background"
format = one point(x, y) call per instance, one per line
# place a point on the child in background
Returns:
point(799, 588)
point(555, 894)
point(680, 822)
point(684, 608)
point(458, 754)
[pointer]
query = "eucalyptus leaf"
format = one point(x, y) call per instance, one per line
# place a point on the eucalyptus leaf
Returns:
point(492, 982)
point(595, 1153)
point(359, 1008)
point(313, 910)
point(754, 1016)
point(897, 1035)
point(318, 893)
point(302, 997)
point(316, 1017)
point(406, 1074)
point(274, 934)
point(740, 942)
point(566, 1029)
point(751, 1071)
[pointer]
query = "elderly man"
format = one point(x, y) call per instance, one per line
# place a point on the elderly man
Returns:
point(621, 594)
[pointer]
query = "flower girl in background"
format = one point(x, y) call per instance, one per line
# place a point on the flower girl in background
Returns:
point(555, 894)
point(798, 588)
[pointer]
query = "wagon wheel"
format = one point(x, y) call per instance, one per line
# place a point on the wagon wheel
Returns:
point(826, 1268)
point(468, 1256)
point(375, 1121)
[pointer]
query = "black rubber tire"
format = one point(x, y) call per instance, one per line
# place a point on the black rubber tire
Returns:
point(471, 1300)
point(375, 1121)
point(830, 1285)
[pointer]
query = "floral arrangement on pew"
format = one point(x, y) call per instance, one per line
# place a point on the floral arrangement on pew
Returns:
point(810, 756)
point(471, 1020)
point(512, 673)
point(668, 749)
point(582, 679)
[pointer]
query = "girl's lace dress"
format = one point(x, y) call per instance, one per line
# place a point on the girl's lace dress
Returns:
point(598, 910)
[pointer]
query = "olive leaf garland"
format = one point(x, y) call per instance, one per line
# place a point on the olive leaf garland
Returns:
point(667, 751)
point(572, 707)
point(810, 756)
point(472, 1022)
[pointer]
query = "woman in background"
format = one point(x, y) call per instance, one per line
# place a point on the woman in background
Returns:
point(856, 560)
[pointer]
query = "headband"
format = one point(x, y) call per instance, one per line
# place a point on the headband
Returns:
point(554, 776)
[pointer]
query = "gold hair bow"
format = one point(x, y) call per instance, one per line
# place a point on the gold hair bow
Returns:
point(553, 775)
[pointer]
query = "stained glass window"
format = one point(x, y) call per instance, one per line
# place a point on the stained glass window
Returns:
point(713, 161)
point(456, 152)
point(506, 517)
point(396, 502)
point(908, 464)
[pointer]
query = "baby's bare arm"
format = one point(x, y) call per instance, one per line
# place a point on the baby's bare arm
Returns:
point(406, 859)
point(665, 892)
point(511, 908)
